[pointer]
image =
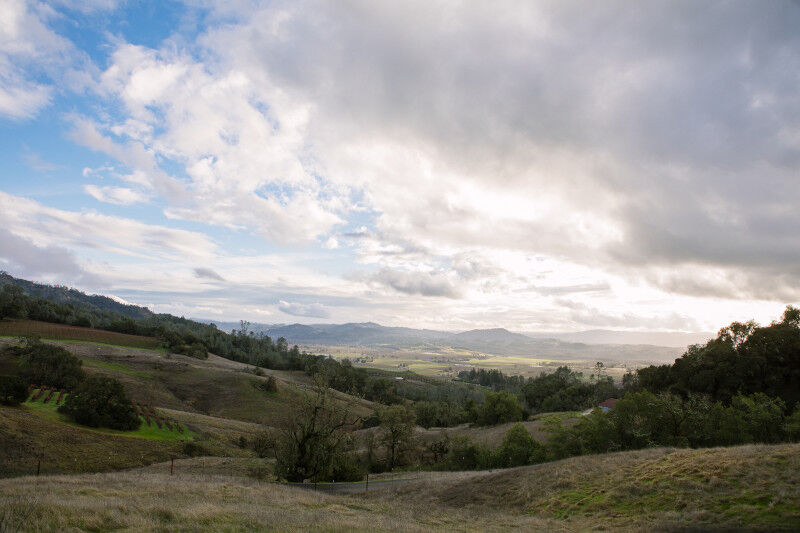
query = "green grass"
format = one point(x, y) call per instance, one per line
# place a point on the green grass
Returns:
point(113, 367)
point(50, 412)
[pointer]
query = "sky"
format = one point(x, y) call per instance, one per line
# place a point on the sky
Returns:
point(539, 166)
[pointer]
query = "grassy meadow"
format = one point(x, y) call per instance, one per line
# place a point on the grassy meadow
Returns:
point(746, 488)
point(102, 480)
point(49, 411)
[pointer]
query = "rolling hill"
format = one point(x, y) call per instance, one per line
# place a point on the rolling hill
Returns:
point(746, 488)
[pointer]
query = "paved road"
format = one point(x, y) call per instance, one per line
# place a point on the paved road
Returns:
point(355, 487)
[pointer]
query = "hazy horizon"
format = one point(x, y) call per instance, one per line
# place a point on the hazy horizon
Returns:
point(550, 166)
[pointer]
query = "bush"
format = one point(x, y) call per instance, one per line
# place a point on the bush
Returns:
point(498, 408)
point(263, 444)
point(345, 467)
point(13, 390)
point(763, 416)
point(271, 385)
point(518, 449)
point(260, 472)
point(193, 449)
point(467, 455)
point(101, 402)
point(45, 364)
point(792, 426)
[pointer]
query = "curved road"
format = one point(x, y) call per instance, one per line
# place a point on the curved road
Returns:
point(354, 487)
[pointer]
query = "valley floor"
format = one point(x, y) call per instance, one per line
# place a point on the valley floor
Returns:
point(741, 488)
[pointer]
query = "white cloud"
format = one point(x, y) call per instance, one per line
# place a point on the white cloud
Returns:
point(421, 283)
point(22, 256)
point(115, 195)
point(242, 145)
point(495, 156)
point(32, 56)
point(314, 310)
point(90, 230)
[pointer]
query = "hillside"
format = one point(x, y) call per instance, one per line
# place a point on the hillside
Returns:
point(217, 398)
point(68, 296)
point(747, 488)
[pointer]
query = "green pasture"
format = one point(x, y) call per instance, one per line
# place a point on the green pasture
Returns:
point(49, 411)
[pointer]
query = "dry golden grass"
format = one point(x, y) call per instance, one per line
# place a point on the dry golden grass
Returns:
point(745, 487)
point(159, 502)
point(25, 438)
point(491, 436)
point(749, 488)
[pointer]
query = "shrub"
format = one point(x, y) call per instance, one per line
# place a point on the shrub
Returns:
point(45, 364)
point(467, 455)
point(792, 426)
point(263, 444)
point(13, 390)
point(498, 408)
point(196, 350)
point(345, 467)
point(192, 449)
point(763, 416)
point(101, 402)
point(270, 385)
point(518, 449)
point(260, 472)
point(82, 321)
point(426, 413)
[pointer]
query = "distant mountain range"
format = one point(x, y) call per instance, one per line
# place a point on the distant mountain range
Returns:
point(605, 336)
point(496, 341)
point(599, 344)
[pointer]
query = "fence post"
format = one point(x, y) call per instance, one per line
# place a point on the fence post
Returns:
point(171, 465)
point(38, 465)
point(366, 488)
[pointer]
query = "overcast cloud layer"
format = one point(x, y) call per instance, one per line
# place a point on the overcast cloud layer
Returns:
point(533, 165)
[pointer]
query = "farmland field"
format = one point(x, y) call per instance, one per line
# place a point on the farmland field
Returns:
point(62, 332)
point(445, 361)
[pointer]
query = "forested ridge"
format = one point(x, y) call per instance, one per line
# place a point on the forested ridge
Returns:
point(63, 305)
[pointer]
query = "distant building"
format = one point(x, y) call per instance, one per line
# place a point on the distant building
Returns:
point(604, 406)
point(608, 404)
